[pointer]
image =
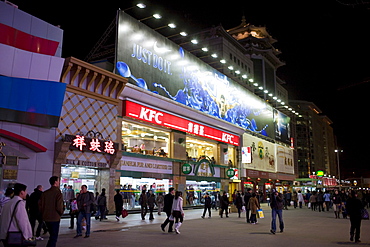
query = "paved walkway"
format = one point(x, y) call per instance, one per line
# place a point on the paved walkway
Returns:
point(303, 227)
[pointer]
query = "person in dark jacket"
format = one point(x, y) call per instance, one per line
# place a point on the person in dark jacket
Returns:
point(118, 202)
point(337, 202)
point(224, 205)
point(102, 204)
point(167, 208)
point(143, 201)
point(34, 212)
point(151, 205)
point(354, 207)
point(84, 201)
point(207, 205)
point(247, 196)
point(277, 205)
point(239, 203)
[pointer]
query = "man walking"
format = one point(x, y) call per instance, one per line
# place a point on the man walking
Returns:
point(84, 201)
point(354, 207)
point(247, 196)
point(34, 212)
point(51, 208)
point(167, 208)
point(118, 202)
point(277, 205)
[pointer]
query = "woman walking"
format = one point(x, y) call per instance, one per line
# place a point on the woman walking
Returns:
point(177, 211)
point(253, 206)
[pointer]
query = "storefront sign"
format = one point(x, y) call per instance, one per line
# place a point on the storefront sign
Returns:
point(140, 112)
point(186, 168)
point(10, 174)
point(145, 165)
point(204, 168)
point(230, 172)
point(87, 163)
point(83, 143)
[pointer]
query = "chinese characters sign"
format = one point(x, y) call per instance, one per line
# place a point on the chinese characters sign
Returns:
point(83, 143)
point(147, 114)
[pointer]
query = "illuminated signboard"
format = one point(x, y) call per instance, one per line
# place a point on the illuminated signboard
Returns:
point(246, 155)
point(154, 63)
point(82, 143)
point(140, 112)
point(282, 127)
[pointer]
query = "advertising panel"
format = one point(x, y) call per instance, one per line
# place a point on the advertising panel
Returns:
point(284, 159)
point(144, 113)
point(282, 127)
point(155, 63)
point(263, 154)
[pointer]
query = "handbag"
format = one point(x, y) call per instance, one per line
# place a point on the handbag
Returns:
point(260, 214)
point(124, 213)
point(15, 238)
point(364, 214)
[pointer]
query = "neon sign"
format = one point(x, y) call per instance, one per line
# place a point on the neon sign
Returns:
point(143, 113)
point(83, 143)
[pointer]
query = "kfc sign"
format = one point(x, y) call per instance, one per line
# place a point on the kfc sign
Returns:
point(143, 113)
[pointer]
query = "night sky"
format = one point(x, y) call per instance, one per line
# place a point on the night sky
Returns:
point(324, 43)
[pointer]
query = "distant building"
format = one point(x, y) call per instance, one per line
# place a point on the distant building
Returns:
point(315, 141)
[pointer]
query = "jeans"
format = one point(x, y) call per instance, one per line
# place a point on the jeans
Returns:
point(278, 212)
point(87, 216)
point(53, 228)
point(102, 211)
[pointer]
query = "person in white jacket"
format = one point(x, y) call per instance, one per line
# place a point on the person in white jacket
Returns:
point(177, 211)
point(300, 198)
point(20, 221)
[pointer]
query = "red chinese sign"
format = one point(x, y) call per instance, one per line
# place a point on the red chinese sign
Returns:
point(140, 112)
point(83, 143)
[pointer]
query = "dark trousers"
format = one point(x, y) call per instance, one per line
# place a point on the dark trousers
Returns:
point(205, 210)
point(72, 222)
point(355, 229)
point(41, 224)
point(170, 227)
point(53, 228)
point(253, 218)
point(102, 211)
point(226, 211)
point(247, 214)
point(144, 211)
point(151, 217)
point(118, 210)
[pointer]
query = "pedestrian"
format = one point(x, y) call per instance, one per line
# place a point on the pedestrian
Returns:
point(69, 195)
point(84, 201)
point(247, 196)
point(143, 201)
point(118, 203)
point(177, 211)
point(159, 201)
point(313, 201)
point(34, 212)
point(253, 205)
point(52, 208)
point(14, 215)
point(224, 202)
point(102, 204)
point(64, 193)
point(300, 198)
point(73, 211)
point(239, 203)
point(7, 196)
point(327, 200)
point(94, 206)
point(151, 205)
point(337, 202)
point(277, 205)
point(295, 199)
point(167, 208)
point(320, 201)
point(207, 205)
point(354, 207)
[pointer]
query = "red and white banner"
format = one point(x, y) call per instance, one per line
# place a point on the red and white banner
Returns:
point(143, 113)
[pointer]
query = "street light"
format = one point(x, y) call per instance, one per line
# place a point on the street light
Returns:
point(338, 151)
point(155, 16)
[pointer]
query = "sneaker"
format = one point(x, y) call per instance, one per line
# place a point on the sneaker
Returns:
point(162, 227)
point(272, 231)
point(78, 235)
point(202, 217)
point(117, 218)
point(39, 238)
point(86, 236)
point(177, 231)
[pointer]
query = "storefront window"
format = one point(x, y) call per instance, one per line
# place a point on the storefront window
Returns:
point(131, 189)
point(77, 176)
point(195, 191)
point(145, 140)
point(229, 157)
point(197, 148)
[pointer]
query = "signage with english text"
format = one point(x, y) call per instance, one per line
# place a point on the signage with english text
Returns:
point(140, 112)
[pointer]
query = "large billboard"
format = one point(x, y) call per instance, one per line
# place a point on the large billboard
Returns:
point(284, 159)
point(155, 63)
point(282, 127)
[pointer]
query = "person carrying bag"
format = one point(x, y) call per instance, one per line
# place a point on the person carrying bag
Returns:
point(18, 231)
